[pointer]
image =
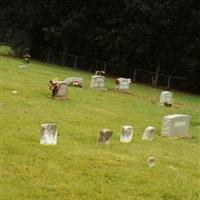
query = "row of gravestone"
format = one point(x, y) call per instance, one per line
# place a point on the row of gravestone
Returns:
point(59, 88)
point(173, 126)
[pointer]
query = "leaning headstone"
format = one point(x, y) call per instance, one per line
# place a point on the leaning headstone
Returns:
point(97, 82)
point(148, 133)
point(74, 81)
point(166, 98)
point(175, 126)
point(48, 134)
point(127, 134)
point(105, 136)
point(122, 84)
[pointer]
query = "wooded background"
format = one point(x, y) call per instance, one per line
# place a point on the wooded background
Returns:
point(155, 35)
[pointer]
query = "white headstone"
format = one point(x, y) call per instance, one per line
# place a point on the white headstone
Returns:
point(123, 84)
point(62, 92)
point(175, 125)
point(148, 133)
point(48, 134)
point(105, 136)
point(166, 97)
point(127, 134)
point(97, 82)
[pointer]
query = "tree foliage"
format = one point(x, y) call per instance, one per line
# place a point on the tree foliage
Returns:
point(158, 35)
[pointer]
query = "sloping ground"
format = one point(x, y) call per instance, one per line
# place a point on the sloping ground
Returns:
point(79, 168)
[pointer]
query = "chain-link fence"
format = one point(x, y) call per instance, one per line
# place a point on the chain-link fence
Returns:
point(116, 70)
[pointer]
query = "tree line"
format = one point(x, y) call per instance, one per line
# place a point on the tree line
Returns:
point(160, 36)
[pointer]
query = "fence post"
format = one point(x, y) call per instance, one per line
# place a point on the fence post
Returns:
point(75, 62)
point(168, 83)
point(134, 75)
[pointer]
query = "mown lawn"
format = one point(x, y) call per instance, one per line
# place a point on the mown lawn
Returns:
point(77, 167)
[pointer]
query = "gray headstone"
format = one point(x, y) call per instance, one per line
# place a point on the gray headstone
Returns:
point(98, 82)
point(72, 80)
point(62, 92)
point(175, 126)
point(48, 134)
point(127, 134)
point(105, 136)
point(166, 97)
point(123, 84)
point(148, 133)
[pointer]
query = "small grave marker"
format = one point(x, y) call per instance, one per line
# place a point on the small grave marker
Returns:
point(127, 134)
point(151, 161)
point(14, 92)
point(175, 126)
point(148, 133)
point(166, 98)
point(48, 134)
point(105, 136)
point(22, 66)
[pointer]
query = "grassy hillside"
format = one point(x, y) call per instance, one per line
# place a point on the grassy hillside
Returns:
point(77, 167)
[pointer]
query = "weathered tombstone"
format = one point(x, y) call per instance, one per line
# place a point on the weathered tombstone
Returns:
point(148, 133)
point(62, 92)
point(166, 98)
point(127, 134)
point(59, 89)
point(97, 82)
point(105, 136)
point(75, 81)
point(122, 84)
point(48, 134)
point(175, 126)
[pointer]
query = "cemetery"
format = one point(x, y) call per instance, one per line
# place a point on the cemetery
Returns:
point(99, 145)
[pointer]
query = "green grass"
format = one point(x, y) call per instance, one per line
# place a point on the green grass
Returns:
point(77, 167)
point(5, 50)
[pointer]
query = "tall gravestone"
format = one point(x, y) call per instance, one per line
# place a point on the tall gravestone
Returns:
point(127, 134)
point(98, 82)
point(48, 134)
point(148, 133)
point(175, 126)
point(166, 98)
point(105, 136)
point(122, 84)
